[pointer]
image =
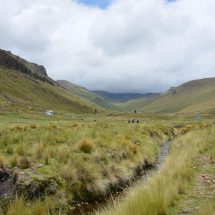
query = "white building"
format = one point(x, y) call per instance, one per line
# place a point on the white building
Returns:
point(49, 113)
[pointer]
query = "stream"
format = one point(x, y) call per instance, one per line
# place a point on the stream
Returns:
point(87, 208)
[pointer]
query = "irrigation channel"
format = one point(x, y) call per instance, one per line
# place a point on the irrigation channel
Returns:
point(88, 208)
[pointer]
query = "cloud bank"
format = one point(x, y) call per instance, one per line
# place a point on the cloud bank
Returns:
point(133, 45)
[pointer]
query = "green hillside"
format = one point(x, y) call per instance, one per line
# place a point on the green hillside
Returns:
point(86, 94)
point(134, 104)
point(192, 97)
point(21, 92)
point(26, 87)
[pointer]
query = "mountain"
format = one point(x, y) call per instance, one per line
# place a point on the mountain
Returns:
point(13, 62)
point(192, 97)
point(25, 86)
point(135, 104)
point(86, 94)
point(121, 97)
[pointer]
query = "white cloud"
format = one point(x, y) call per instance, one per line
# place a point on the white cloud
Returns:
point(134, 45)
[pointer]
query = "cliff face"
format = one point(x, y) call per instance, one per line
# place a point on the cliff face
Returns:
point(13, 62)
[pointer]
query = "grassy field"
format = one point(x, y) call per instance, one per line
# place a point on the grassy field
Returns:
point(177, 188)
point(61, 162)
point(75, 161)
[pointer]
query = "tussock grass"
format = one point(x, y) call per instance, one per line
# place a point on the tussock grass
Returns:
point(24, 163)
point(87, 159)
point(85, 145)
point(20, 207)
point(160, 192)
point(39, 150)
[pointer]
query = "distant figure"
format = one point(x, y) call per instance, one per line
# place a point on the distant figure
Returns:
point(138, 121)
point(133, 121)
point(135, 111)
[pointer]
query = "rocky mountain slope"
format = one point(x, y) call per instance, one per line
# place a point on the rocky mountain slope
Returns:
point(25, 86)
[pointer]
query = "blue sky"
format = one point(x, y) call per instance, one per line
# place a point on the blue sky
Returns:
point(98, 3)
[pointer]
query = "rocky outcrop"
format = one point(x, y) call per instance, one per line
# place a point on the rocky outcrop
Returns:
point(24, 182)
point(7, 187)
point(13, 62)
point(33, 185)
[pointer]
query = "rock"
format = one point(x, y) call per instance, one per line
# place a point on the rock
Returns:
point(33, 185)
point(52, 187)
point(7, 186)
point(4, 175)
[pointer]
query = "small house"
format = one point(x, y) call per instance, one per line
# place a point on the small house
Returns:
point(49, 113)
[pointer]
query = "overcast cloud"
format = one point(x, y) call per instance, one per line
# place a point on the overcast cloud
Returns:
point(133, 45)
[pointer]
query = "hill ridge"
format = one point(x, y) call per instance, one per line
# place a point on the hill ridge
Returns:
point(14, 62)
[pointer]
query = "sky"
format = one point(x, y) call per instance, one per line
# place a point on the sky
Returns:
point(114, 45)
point(103, 4)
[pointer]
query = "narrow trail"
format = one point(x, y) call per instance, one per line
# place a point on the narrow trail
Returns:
point(92, 207)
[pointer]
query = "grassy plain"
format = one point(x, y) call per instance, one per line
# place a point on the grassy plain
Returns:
point(87, 157)
point(179, 187)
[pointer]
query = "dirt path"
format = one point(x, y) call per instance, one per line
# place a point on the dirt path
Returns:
point(199, 200)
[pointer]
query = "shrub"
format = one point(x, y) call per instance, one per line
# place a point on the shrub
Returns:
point(85, 145)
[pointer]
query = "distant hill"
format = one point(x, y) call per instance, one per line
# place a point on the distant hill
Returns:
point(121, 97)
point(135, 104)
point(192, 97)
point(25, 86)
point(86, 94)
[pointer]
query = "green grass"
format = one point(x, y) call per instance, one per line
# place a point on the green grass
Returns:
point(20, 93)
point(161, 193)
point(84, 158)
point(87, 95)
point(192, 97)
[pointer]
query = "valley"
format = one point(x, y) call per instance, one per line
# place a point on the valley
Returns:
point(103, 156)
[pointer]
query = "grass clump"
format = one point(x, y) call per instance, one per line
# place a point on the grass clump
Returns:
point(85, 145)
point(24, 163)
point(69, 174)
point(38, 207)
point(39, 150)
